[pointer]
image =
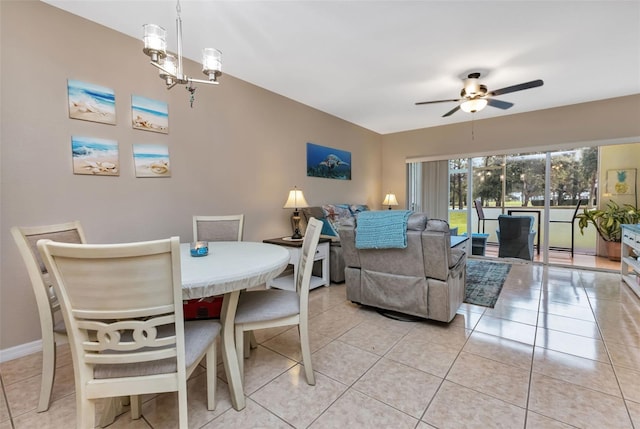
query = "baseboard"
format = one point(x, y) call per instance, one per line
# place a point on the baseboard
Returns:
point(19, 351)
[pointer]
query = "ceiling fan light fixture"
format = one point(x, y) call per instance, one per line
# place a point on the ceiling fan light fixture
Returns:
point(473, 106)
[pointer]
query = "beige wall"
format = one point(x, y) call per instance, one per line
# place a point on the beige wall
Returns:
point(584, 124)
point(239, 150)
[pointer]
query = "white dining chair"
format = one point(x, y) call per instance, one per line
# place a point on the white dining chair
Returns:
point(272, 308)
point(51, 321)
point(122, 304)
point(218, 228)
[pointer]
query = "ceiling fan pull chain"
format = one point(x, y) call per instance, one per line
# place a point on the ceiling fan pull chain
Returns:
point(473, 136)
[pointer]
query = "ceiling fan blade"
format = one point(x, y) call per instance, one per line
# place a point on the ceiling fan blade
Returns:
point(499, 103)
point(451, 112)
point(436, 101)
point(519, 87)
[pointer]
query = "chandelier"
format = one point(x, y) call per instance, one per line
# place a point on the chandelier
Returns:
point(170, 66)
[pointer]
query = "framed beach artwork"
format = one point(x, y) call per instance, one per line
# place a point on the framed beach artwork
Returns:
point(621, 182)
point(149, 115)
point(328, 162)
point(151, 160)
point(93, 156)
point(90, 102)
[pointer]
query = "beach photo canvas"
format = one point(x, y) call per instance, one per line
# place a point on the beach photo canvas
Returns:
point(328, 162)
point(149, 115)
point(96, 157)
point(90, 102)
point(151, 160)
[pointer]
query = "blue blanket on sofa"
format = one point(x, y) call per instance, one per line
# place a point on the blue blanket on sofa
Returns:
point(385, 229)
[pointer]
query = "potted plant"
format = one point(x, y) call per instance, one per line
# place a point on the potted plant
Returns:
point(607, 222)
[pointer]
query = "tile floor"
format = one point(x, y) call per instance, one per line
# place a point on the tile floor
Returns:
point(561, 349)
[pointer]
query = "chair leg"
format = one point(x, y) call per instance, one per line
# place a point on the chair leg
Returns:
point(136, 407)
point(572, 243)
point(306, 353)
point(183, 409)
point(240, 350)
point(48, 371)
point(85, 412)
point(212, 367)
point(247, 344)
point(252, 340)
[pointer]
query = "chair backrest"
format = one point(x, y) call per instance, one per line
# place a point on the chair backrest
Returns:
point(513, 227)
point(307, 256)
point(218, 228)
point(122, 304)
point(26, 239)
point(478, 205)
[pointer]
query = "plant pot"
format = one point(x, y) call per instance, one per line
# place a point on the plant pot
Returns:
point(613, 250)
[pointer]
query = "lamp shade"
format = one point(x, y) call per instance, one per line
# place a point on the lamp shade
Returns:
point(155, 43)
point(211, 63)
point(475, 105)
point(390, 200)
point(296, 200)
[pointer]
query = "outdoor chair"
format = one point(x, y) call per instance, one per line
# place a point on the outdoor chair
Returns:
point(572, 223)
point(122, 305)
point(273, 308)
point(515, 237)
point(218, 228)
point(480, 212)
point(51, 322)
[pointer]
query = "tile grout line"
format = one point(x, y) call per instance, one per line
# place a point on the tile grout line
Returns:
point(606, 347)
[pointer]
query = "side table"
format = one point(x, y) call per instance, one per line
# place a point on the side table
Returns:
point(295, 249)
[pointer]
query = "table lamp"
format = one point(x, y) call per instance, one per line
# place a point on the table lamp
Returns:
point(296, 201)
point(390, 200)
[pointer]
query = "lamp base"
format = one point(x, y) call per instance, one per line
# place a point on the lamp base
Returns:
point(296, 226)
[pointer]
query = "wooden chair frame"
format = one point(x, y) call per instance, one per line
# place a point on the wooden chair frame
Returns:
point(51, 324)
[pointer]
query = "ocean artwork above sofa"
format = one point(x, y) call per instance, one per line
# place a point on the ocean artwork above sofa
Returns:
point(328, 162)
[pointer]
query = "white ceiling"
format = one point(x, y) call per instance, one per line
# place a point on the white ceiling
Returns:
point(368, 62)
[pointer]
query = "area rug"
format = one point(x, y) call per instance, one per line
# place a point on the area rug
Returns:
point(484, 282)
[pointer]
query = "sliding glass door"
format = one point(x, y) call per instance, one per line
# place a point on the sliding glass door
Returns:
point(516, 184)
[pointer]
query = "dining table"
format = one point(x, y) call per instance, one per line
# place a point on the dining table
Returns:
point(227, 269)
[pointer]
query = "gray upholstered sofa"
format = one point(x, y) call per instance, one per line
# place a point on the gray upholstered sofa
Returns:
point(332, 215)
point(425, 279)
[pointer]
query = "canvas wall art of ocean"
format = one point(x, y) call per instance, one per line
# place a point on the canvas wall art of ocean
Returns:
point(151, 160)
point(328, 162)
point(94, 156)
point(149, 115)
point(91, 102)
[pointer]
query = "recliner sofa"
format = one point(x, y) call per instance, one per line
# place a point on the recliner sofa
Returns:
point(425, 279)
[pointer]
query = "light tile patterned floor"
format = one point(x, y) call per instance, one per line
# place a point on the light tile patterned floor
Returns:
point(561, 349)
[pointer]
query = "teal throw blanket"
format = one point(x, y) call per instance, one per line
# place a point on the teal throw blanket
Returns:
point(385, 229)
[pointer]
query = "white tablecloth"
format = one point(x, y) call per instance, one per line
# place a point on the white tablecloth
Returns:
point(230, 266)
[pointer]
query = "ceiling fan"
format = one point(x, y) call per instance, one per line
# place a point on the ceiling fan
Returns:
point(475, 97)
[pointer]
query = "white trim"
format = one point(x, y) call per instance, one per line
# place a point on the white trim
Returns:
point(20, 351)
point(545, 148)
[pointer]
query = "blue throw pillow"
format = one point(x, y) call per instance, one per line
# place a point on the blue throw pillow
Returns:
point(327, 228)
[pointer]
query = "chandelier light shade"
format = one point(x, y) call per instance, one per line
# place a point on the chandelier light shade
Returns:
point(390, 200)
point(296, 201)
point(170, 66)
point(474, 105)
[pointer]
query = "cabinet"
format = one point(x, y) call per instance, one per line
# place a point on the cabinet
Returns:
point(295, 250)
point(630, 252)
